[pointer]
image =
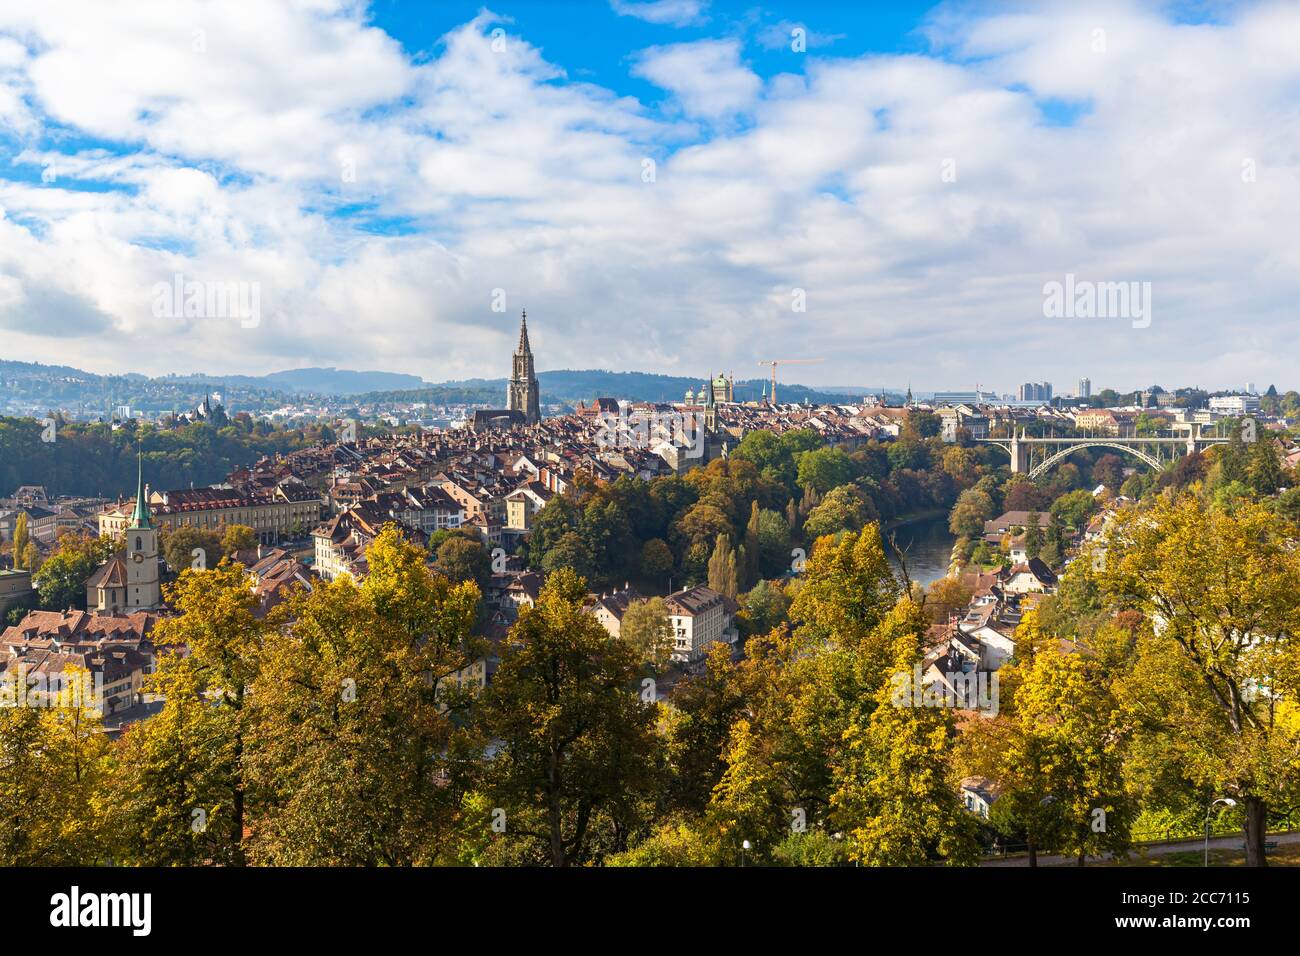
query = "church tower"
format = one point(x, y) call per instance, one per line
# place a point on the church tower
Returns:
point(522, 395)
point(710, 409)
point(143, 592)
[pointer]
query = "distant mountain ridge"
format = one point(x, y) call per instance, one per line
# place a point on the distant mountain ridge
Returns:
point(562, 386)
point(316, 381)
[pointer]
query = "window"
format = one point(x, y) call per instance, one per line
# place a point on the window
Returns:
point(138, 545)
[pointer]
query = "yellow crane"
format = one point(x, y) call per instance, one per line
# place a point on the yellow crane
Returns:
point(775, 362)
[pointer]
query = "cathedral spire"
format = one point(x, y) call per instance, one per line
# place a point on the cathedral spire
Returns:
point(522, 392)
point(140, 519)
point(523, 334)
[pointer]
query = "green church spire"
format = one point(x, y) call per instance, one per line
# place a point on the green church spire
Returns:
point(141, 517)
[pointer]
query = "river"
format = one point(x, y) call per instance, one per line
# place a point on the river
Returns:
point(927, 546)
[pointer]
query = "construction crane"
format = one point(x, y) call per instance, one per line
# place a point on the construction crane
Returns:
point(775, 362)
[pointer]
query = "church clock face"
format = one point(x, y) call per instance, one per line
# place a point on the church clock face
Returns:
point(138, 558)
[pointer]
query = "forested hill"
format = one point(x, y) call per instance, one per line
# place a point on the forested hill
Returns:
point(92, 460)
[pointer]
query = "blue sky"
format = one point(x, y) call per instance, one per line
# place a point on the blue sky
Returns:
point(666, 185)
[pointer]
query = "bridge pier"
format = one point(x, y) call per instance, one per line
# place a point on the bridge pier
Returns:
point(1019, 454)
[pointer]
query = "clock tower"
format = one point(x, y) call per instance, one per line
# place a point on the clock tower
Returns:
point(143, 592)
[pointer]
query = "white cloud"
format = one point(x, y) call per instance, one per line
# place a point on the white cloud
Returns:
point(706, 76)
point(677, 13)
point(495, 170)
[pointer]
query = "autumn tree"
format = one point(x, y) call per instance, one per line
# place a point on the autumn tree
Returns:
point(723, 573)
point(1214, 685)
point(844, 508)
point(238, 537)
point(22, 538)
point(181, 787)
point(648, 628)
point(53, 758)
point(894, 794)
point(353, 750)
point(573, 765)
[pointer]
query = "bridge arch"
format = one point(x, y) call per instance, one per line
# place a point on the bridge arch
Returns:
point(1047, 463)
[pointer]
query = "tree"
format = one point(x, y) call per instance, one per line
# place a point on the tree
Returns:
point(945, 597)
point(824, 469)
point(575, 737)
point(61, 581)
point(460, 559)
point(181, 790)
point(723, 576)
point(238, 537)
point(656, 559)
point(766, 606)
point(1053, 753)
point(847, 588)
point(53, 756)
point(1108, 471)
point(893, 797)
point(1215, 680)
point(179, 545)
point(1074, 508)
point(1054, 543)
point(21, 540)
point(647, 626)
point(1288, 504)
point(705, 703)
point(1033, 535)
point(843, 509)
point(569, 552)
point(354, 752)
point(1263, 470)
point(973, 508)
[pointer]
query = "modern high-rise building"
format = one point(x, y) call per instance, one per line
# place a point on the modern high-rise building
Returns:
point(522, 392)
point(1035, 392)
point(1085, 388)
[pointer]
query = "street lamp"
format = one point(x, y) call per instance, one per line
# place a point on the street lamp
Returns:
point(745, 845)
point(1226, 801)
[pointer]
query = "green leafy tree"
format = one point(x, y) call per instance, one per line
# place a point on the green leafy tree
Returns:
point(973, 508)
point(575, 737)
point(824, 469)
point(180, 795)
point(354, 753)
point(61, 581)
point(460, 559)
point(647, 626)
point(179, 545)
point(843, 509)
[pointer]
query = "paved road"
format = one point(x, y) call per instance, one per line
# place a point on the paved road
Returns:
point(1149, 849)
